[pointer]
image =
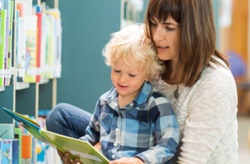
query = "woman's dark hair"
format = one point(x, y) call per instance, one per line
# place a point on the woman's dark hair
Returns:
point(197, 39)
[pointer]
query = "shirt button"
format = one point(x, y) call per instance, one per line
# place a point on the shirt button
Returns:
point(116, 129)
point(113, 156)
point(115, 144)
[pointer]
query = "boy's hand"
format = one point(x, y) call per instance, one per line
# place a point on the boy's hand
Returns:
point(98, 146)
point(126, 160)
point(65, 157)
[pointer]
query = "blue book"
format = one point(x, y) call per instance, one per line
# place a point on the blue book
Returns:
point(6, 152)
point(15, 151)
point(0, 150)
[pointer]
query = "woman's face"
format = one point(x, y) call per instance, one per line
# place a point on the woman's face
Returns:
point(166, 36)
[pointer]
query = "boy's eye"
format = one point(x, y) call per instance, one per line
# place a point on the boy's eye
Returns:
point(117, 71)
point(131, 75)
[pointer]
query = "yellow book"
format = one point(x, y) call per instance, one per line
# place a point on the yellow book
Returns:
point(77, 148)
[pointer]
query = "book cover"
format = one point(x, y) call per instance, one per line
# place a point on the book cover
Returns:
point(7, 5)
point(2, 45)
point(77, 148)
point(0, 150)
point(27, 147)
point(15, 151)
point(20, 41)
point(6, 152)
point(18, 136)
point(31, 70)
point(39, 41)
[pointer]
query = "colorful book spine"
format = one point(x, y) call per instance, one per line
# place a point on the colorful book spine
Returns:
point(31, 49)
point(26, 149)
point(3, 14)
point(39, 42)
point(6, 151)
point(18, 135)
point(15, 151)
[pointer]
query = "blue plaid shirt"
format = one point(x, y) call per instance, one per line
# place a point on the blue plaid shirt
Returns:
point(146, 128)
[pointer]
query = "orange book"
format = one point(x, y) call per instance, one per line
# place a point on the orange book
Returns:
point(39, 37)
point(26, 146)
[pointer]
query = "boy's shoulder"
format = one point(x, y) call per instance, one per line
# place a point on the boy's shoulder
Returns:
point(157, 94)
point(108, 95)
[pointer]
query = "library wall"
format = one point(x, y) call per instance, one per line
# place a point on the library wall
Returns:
point(87, 26)
point(235, 36)
point(235, 39)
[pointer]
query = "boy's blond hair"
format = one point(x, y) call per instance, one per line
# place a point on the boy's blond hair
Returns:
point(131, 44)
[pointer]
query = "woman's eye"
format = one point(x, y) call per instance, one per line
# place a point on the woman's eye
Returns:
point(117, 71)
point(153, 24)
point(169, 29)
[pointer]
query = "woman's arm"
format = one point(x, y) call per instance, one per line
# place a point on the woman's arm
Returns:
point(212, 114)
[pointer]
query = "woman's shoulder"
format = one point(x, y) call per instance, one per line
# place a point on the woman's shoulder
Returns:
point(216, 77)
point(217, 72)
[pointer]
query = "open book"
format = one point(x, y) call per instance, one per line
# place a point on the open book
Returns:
point(77, 148)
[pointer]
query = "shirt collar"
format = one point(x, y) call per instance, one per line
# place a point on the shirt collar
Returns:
point(140, 99)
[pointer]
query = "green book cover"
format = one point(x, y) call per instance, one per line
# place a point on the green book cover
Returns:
point(77, 148)
point(18, 135)
point(2, 45)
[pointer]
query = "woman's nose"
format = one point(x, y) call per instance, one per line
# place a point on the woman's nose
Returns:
point(158, 34)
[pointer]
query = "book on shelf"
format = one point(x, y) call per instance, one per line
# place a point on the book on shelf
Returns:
point(77, 148)
point(18, 136)
point(3, 17)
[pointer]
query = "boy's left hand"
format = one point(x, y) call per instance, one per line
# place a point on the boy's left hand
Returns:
point(126, 160)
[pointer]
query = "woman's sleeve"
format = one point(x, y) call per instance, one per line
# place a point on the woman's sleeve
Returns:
point(212, 109)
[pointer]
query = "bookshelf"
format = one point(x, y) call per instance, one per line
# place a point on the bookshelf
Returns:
point(29, 95)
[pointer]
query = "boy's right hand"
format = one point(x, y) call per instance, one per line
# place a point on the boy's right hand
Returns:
point(65, 157)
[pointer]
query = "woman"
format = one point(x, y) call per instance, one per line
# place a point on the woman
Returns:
point(197, 81)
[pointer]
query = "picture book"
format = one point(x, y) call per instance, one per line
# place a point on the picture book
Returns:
point(6, 151)
point(77, 148)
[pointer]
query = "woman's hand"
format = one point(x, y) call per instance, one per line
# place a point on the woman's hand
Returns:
point(65, 157)
point(126, 160)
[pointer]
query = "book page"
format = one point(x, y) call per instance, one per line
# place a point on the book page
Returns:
point(79, 148)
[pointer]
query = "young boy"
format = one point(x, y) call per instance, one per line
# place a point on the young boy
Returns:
point(132, 121)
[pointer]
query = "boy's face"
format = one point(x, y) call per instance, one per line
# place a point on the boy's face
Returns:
point(127, 79)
